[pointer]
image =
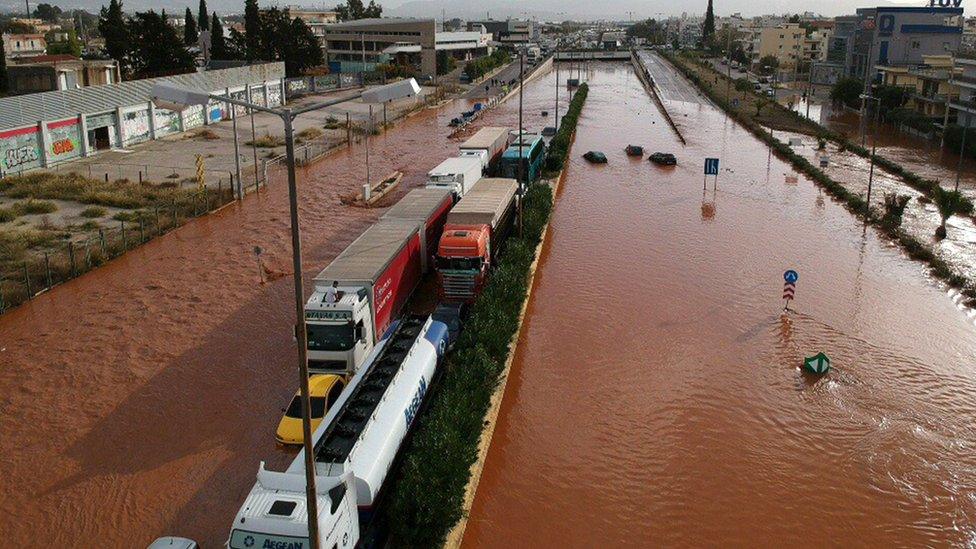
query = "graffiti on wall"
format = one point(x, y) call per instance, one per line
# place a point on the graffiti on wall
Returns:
point(65, 140)
point(257, 96)
point(135, 126)
point(193, 117)
point(19, 150)
point(166, 122)
point(242, 95)
point(216, 110)
point(274, 95)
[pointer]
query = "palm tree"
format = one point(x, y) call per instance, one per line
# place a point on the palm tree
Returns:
point(948, 203)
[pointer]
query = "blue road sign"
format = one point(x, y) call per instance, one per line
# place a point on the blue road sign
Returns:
point(791, 276)
point(711, 166)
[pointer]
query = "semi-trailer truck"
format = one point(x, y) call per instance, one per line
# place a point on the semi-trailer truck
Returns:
point(354, 447)
point(472, 236)
point(487, 145)
point(456, 174)
point(372, 279)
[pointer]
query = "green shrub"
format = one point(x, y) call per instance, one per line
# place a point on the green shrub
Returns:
point(559, 146)
point(92, 212)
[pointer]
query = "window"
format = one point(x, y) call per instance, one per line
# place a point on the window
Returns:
point(459, 263)
point(295, 408)
point(334, 394)
point(330, 337)
point(282, 508)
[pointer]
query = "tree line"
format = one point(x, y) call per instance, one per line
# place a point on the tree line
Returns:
point(146, 44)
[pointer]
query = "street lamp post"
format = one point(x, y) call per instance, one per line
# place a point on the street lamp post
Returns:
point(521, 137)
point(177, 98)
point(874, 148)
point(962, 147)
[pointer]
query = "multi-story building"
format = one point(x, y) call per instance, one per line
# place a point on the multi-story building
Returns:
point(930, 84)
point(964, 106)
point(24, 45)
point(352, 46)
point(783, 42)
point(900, 36)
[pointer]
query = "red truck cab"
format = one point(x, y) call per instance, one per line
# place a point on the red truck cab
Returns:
point(463, 258)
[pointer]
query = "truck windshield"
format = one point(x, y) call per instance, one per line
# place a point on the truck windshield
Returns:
point(330, 337)
point(459, 263)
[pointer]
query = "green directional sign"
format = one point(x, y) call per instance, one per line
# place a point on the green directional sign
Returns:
point(817, 364)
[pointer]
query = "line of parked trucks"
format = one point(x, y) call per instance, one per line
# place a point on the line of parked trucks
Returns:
point(454, 226)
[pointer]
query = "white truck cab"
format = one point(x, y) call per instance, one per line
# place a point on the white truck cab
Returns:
point(339, 334)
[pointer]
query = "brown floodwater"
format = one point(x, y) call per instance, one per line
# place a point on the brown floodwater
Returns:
point(139, 398)
point(656, 397)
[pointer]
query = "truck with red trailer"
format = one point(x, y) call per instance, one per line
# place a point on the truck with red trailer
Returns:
point(487, 145)
point(373, 278)
point(472, 236)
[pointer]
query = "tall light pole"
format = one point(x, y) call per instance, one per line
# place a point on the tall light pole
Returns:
point(868, 25)
point(177, 98)
point(874, 148)
point(521, 137)
point(962, 145)
point(555, 61)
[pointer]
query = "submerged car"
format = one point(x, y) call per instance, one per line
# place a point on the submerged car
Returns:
point(663, 159)
point(634, 150)
point(323, 392)
point(596, 157)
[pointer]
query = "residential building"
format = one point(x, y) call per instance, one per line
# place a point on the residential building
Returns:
point(783, 42)
point(965, 106)
point(931, 84)
point(24, 45)
point(59, 72)
point(840, 47)
point(612, 40)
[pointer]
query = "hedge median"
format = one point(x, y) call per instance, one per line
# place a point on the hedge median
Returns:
point(427, 498)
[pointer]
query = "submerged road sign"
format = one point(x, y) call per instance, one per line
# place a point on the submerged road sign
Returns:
point(711, 166)
point(817, 364)
point(791, 276)
point(789, 288)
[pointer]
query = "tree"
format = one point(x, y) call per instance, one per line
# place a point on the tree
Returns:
point(47, 12)
point(252, 30)
point(203, 16)
point(354, 9)
point(743, 84)
point(190, 34)
point(708, 27)
point(71, 45)
point(303, 50)
point(891, 98)
point(445, 62)
point(157, 48)
point(768, 64)
point(847, 91)
point(949, 203)
point(760, 102)
point(218, 43)
point(3, 69)
point(650, 30)
point(237, 45)
point(113, 28)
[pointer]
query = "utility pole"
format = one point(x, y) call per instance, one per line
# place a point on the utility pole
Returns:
point(362, 72)
point(868, 24)
point(555, 61)
point(962, 149)
point(521, 138)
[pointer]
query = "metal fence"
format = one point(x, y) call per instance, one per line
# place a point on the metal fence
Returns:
point(32, 272)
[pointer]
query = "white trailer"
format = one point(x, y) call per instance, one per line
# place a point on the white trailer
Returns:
point(457, 174)
point(487, 145)
point(355, 446)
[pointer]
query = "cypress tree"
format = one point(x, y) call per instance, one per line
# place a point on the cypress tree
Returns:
point(252, 30)
point(190, 34)
point(3, 69)
point(203, 16)
point(218, 44)
point(113, 28)
point(708, 27)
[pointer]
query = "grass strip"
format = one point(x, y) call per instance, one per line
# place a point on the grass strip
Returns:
point(427, 497)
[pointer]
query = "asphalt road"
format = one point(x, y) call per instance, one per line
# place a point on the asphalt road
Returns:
point(510, 72)
point(671, 85)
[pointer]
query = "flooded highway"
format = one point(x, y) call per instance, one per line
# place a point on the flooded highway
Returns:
point(656, 397)
point(138, 399)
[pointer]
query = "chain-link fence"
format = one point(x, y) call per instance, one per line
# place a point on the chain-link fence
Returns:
point(26, 273)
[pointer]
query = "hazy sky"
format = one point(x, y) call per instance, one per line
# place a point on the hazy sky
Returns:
point(542, 9)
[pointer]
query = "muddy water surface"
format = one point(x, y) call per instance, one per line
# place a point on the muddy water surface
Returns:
point(139, 398)
point(656, 398)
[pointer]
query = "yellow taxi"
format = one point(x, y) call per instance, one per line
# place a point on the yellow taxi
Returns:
point(324, 391)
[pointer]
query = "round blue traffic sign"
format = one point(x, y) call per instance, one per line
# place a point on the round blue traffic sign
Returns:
point(791, 276)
